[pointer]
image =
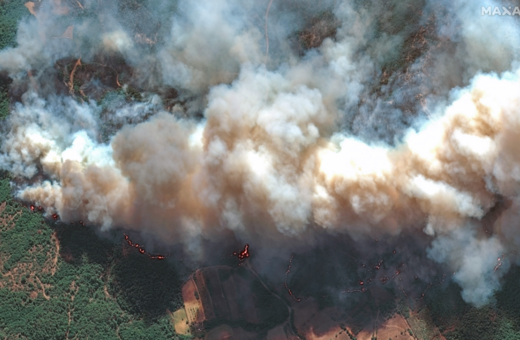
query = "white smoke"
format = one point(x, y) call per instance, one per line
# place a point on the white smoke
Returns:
point(474, 260)
point(269, 161)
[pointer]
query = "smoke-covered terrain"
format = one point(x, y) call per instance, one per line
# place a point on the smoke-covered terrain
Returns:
point(373, 144)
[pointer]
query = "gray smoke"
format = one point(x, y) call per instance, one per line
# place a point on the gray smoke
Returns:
point(402, 117)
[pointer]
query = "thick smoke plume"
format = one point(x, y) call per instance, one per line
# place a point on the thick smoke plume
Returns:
point(291, 144)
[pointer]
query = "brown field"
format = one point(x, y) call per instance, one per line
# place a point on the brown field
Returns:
point(423, 326)
point(180, 322)
point(192, 305)
point(30, 6)
point(216, 292)
point(204, 295)
point(394, 328)
point(333, 333)
point(277, 333)
point(229, 286)
point(242, 334)
point(223, 332)
point(316, 324)
point(324, 328)
point(211, 282)
point(239, 298)
point(68, 34)
point(326, 324)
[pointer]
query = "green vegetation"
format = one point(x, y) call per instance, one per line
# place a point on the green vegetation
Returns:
point(4, 98)
point(445, 305)
point(475, 324)
point(459, 321)
point(154, 286)
point(64, 281)
point(88, 288)
point(270, 310)
point(11, 11)
point(508, 299)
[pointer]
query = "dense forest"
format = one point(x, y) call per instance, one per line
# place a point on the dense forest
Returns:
point(10, 13)
point(63, 281)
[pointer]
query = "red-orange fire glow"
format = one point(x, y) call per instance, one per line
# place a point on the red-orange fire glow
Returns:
point(142, 250)
point(242, 255)
point(285, 282)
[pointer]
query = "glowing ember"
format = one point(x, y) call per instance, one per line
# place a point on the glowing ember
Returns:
point(377, 266)
point(141, 250)
point(286, 285)
point(424, 293)
point(242, 255)
point(362, 290)
point(397, 271)
point(499, 263)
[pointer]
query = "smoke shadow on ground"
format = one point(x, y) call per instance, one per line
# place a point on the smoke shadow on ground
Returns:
point(144, 287)
point(79, 244)
point(508, 298)
point(338, 283)
point(364, 282)
point(446, 305)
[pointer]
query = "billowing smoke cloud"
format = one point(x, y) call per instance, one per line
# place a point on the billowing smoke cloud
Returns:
point(291, 144)
point(473, 260)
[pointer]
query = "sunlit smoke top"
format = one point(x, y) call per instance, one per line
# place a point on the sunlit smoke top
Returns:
point(290, 144)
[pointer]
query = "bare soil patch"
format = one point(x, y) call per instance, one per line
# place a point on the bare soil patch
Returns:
point(69, 33)
point(394, 328)
point(192, 304)
point(31, 7)
point(47, 297)
point(180, 321)
point(7, 221)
